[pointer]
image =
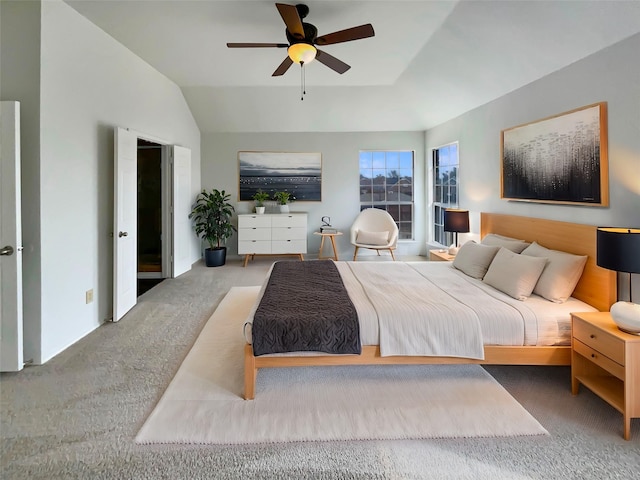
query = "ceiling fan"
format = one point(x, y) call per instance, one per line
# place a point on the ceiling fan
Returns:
point(303, 38)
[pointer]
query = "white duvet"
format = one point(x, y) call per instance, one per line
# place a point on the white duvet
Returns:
point(433, 309)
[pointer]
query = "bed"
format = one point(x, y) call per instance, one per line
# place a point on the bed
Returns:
point(596, 288)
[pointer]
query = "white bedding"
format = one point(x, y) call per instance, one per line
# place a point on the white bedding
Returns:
point(381, 291)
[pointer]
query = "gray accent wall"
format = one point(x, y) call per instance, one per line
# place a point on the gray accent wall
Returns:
point(611, 75)
point(340, 177)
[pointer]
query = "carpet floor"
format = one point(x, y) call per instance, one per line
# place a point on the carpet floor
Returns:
point(76, 417)
point(204, 404)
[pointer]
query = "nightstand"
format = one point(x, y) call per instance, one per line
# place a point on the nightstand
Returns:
point(606, 361)
point(439, 256)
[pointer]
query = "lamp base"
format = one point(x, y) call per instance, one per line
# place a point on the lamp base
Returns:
point(626, 315)
point(453, 250)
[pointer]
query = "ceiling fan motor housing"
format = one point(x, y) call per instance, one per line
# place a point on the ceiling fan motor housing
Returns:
point(310, 35)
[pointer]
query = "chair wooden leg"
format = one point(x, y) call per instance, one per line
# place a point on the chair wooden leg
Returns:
point(354, 254)
point(392, 256)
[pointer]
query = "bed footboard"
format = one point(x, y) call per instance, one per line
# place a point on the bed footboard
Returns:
point(494, 355)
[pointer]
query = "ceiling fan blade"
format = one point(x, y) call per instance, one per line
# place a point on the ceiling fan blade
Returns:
point(257, 45)
point(332, 62)
point(289, 14)
point(353, 33)
point(284, 66)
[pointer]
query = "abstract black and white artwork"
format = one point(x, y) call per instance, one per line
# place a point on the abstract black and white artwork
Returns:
point(560, 159)
point(300, 174)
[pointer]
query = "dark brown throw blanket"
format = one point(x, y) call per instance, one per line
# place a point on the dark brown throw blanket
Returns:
point(305, 307)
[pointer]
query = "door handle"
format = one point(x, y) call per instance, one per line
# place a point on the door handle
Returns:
point(123, 234)
point(8, 250)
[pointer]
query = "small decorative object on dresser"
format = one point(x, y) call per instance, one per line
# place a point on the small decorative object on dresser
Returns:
point(619, 250)
point(260, 197)
point(283, 199)
point(607, 362)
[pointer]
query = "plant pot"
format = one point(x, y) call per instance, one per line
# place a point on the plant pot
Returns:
point(215, 257)
point(260, 210)
point(284, 208)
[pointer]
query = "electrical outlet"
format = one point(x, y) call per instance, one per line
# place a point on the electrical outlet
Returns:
point(89, 296)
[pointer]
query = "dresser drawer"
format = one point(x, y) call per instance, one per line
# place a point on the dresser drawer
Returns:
point(246, 247)
point(289, 246)
point(288, 220)
point(599, 340)
point(254, 234)
point(599, 359)
point(291, 233)
point(254, 221)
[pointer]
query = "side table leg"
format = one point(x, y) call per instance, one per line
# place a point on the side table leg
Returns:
point(333, 244)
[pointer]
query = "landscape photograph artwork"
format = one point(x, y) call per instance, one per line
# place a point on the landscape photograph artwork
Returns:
point(300, 174)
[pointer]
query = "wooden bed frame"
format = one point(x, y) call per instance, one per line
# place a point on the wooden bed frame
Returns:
point(597, 287)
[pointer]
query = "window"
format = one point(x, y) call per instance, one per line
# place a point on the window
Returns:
point(386, 182)
point(445, 188)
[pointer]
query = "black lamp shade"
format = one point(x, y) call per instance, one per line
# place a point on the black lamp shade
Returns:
point(456, 220)
point(619, 249)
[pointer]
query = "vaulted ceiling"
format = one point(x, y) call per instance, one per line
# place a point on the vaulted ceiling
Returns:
point(429, 61)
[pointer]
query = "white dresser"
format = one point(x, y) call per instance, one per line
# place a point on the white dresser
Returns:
point(272, 234)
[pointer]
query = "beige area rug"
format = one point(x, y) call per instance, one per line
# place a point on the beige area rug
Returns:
point(203, 403)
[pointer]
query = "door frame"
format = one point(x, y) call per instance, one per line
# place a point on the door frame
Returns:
point(168, 233)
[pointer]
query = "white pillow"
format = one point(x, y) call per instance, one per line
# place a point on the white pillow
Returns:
point(560, 276)
point(514, 274)
point(372, 238)
point(512, 244)
point(474, 259)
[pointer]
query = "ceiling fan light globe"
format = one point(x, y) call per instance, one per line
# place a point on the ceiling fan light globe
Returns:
point(302, 52)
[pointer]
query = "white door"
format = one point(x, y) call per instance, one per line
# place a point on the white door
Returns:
point(125, 238)
point(11, 332)
point(181, 197)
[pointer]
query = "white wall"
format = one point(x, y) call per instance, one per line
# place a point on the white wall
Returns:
point(340, 176)
point(611, 75)
point(89, 83)
point(20, 80)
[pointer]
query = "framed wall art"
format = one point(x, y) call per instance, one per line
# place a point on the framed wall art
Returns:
point(297, 173)
point(559, 159)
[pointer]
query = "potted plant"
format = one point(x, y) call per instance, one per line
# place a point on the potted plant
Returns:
point(283, 198)
point(211, 216)
point(260, 197)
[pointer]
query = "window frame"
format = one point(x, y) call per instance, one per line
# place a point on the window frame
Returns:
point(396, 213)
point(438, 206)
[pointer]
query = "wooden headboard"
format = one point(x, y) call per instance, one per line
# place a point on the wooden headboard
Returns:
point(597, 286)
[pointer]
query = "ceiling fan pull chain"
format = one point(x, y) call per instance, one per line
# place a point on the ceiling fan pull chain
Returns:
point(302, 88)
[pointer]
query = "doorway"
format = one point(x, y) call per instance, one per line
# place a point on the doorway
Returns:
point(150, 216)
point(173, 231)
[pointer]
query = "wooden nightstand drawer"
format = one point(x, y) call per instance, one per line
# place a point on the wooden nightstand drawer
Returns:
point(599, 340)
point(599, 359)
point(606, 361)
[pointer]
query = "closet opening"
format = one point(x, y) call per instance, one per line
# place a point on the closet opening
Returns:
point(150, 216)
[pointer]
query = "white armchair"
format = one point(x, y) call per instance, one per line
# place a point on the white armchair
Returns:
point(374, 229)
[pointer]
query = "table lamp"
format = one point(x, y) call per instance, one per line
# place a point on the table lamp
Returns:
point(619, 249)
point(456, 221)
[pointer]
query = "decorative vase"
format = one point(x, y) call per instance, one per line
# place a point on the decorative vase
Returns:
point(284, 208)
point(260, 210)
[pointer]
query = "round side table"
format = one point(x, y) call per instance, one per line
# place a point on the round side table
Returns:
point(332, 237)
